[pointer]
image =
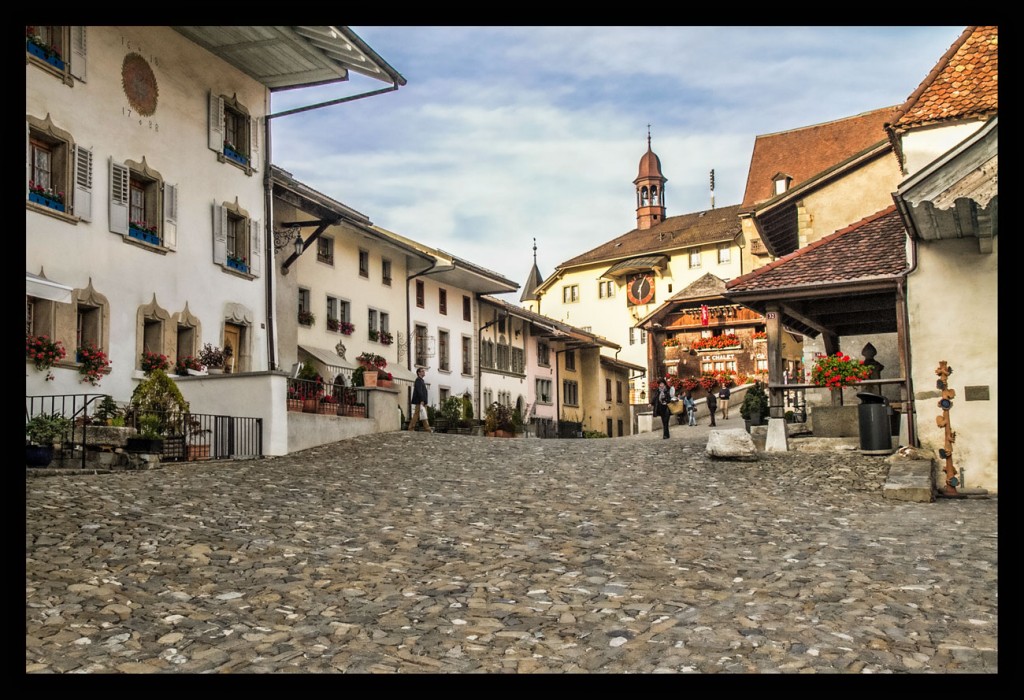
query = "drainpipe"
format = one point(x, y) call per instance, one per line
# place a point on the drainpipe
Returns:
point(268, 188)
point(902, 292)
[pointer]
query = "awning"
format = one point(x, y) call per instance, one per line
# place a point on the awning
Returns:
point(626, 267)
point(42, 288)
point(334, 362)
point(401, 373)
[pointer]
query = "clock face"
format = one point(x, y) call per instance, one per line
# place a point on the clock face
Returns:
point(640, 290)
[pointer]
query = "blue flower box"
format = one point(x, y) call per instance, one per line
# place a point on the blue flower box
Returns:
point(144, 236)
point(45, 201)
point(236, 156)
point(39, 52)
point(235, 265)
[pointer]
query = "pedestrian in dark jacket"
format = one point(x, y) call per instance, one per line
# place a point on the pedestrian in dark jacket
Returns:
point(659, 401)
point(712, 405)
point(418, 412)
point(723, 399)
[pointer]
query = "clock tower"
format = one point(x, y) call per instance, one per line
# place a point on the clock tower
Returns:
point(650, 189)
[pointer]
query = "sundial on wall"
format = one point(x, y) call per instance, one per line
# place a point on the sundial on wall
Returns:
point(139, 84)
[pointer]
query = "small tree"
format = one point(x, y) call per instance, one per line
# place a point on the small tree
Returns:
point(755, 401)
point(158, 396)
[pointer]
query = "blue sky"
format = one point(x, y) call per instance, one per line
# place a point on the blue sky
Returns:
point(506, 134)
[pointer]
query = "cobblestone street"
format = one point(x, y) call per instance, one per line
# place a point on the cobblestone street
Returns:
point(429, 553)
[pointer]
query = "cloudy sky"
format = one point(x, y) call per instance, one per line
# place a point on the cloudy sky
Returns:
point(504, 135)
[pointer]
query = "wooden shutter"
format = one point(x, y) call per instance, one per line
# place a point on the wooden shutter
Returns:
point(216, 123)
point(170, 216)
point(255, 251)
point(255, 138)
point(83, 183)
point(77, 67)
point(220, 235)
point(119, 183)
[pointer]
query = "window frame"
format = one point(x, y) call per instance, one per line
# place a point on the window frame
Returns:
point(325, 250)
point(443, 350)
point(467, 308)
point(364, 263)
point(570, 392)
point(570, 360)
point(724, 254)
point(570, 294)
point(467, 356)
point(442, 301)
point(385, 271)
point(694, 257)
point(421, 294)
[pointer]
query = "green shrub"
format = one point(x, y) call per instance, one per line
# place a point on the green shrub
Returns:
point(755, 401)
point(158, 396)
point(47, 429)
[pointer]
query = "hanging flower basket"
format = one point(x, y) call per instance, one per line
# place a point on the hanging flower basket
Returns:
point(837, 371)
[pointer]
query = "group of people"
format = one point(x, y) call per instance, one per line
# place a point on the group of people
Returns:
point(663, 395)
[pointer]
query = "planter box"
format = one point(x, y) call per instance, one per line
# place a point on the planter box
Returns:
point(144, 236)
point(385, 383)
point(197, 453)
point(310, 405)
point(328, 409)
point(352, 411)
point(369, 378)
point(38, 52)
point(45, 201)
point(236, 156)
point(295, 405)
point(240, 266)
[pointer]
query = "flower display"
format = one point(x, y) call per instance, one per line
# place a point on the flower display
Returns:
point(837, 371)
point(346, 327)
point(94, 363)
point(760, 335)
point(44, 353)
point(212, 356)
point(184, 364)
point(369, 360)
point(47, 192)
point(671, 342)
point(33, 37)
point(143, 226)
point(306, 318)
point(154, 360)
point(385, 338)
point(237, 259)
point(725, 340)
point(708, 381)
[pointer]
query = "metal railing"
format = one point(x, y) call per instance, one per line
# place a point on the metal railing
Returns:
point(344, 400)
point(76, 407)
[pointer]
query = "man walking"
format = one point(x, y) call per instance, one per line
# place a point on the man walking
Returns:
point(723, 400)
point(712, 405)
point(418, 411)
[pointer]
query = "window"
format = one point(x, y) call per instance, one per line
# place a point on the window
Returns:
point(338, 311)
point(695, 258)
point(444, 392)
point(608, 390)
point(488, 397)
point(544, 391)
point(518, 361)
point(442, 301)
point(467, 308)
point(234, 135)
point(236, 239)
point(570, 294)
point(632, 335)
point(503, 359)
point(364, 263)
point(420, 333)
point(723, 254)
point(570, 360)
point(304, 301)
point(188, 338)
point(570, 393)
point(420, 294)
point(385, 271)
point(442, 351)
point(781, 183)
point(487, 353)
point(608, 427)
point(57, 50)
point(325, 250)
point(620, 427)
point(372, 327)
point(505, 398)
point(467, 355)
point(618, 395)
point(643, 336)
point(59, 172)
point(543, 354)
point(88, 325)
point(144, 210)
point(605, 289)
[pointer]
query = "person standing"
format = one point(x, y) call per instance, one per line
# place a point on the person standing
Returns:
point(712, 405)
point(723, 400)
point(418, 412)
point(691, 408)
point(659, 400)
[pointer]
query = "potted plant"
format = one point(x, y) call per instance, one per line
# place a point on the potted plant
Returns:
point(754, 406)
point(188, 365)
point(44, 353)
point(346, 327)
point(93, 363)
point(306, 318)
point(310, 386)
point(498, 421)
point(213, 358)
point(385, 338)
point(198, 440)
point(158, 410)
point(152, 361)
point(371, 364)
point(42, 432)
point(108, 412)
point(839, 370)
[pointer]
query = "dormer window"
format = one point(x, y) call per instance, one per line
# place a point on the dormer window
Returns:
point(782, 183)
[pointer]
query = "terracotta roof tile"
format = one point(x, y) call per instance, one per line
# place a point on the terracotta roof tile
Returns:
point(803, 153)
point(964, 84)
point(872, 248)
point(671, 234)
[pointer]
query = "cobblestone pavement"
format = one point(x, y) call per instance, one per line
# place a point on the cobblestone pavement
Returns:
point(428, 553)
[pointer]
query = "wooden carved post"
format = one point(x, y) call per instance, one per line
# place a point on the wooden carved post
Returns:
point(946, 403)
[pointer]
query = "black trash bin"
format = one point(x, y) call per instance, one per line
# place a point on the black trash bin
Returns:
point(875, 424)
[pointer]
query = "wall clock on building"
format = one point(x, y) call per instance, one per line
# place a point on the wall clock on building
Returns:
point(640, 290)
point(139, 84)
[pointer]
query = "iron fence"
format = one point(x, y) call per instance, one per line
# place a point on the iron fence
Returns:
point(332, 399)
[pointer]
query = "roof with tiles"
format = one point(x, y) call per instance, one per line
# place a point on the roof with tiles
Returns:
point(870, 249)
point(803, 153)
point(964, 84)
point(671, 234)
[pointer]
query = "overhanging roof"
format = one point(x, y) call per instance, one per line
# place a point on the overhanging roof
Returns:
point(330, 358)
point(639, 264)
point(42, 288)
point(282, 57)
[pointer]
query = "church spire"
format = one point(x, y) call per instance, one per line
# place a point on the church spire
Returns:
point(532, 301)
point(650, 189)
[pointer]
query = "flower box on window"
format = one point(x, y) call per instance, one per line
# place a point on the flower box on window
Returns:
point(42, 53)
point(235, 155)
point(143, 235)
point(45, 201)
point(237, 264)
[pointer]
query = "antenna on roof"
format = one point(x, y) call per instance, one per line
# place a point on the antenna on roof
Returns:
point(712, 188)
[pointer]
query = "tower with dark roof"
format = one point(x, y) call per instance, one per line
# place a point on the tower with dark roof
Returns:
point(532, 282)
point(650, 189)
